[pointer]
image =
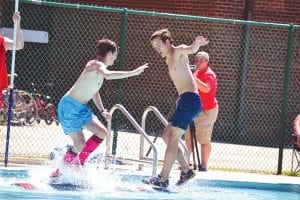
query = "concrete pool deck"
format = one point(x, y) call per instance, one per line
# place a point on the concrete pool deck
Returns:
point(33, 144)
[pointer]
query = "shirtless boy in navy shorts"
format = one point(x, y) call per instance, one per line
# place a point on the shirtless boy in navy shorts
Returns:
point(188, 104)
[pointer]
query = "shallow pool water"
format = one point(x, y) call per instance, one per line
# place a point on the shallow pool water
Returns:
point(118, 184)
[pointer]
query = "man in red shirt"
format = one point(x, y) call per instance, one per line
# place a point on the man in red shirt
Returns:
point(5, 45)
point(207, 87)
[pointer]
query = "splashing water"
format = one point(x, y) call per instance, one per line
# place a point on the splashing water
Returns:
point(95, 182)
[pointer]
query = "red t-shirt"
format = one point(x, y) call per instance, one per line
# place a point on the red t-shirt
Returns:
point(3, 72)
point(209, 100)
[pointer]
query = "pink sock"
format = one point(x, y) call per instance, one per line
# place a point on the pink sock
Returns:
point(91, 144)
point(69, 157)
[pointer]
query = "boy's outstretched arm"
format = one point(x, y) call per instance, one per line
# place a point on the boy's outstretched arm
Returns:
point(122, 74)
point(193, 48)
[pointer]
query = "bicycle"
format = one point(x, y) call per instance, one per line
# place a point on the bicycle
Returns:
point(23, 107)
point(45, 109)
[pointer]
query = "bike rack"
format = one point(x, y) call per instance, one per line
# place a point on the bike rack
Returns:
point(137, 127)
point(164, 121)
point(23, 104)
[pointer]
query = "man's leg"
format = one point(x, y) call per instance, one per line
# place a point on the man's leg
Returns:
point(205, 153)
point(0, 98)
point(204, 129)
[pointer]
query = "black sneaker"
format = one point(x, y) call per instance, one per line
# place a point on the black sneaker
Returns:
point(202, 168)
point(156, 181)
point(185, 176)
point(151, 180)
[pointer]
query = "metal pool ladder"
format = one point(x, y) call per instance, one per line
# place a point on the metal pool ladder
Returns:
point(165, 123)
point(137, 127)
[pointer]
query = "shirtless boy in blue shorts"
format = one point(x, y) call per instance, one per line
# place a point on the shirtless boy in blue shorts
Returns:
point(73, 113)
point(188, 104)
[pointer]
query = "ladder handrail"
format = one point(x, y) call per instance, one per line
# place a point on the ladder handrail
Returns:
point(137, 127)
point(165, 123)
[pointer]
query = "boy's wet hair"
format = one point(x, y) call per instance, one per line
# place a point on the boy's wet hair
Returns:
point(104, 46)
point(163, 34)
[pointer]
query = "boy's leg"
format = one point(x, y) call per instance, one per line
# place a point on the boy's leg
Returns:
point(91, 144)
point(188, 143)
point(171, 137)
point(99, 131)
point(70, 156)
point(183, 162)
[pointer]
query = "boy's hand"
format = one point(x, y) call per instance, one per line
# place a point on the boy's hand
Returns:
point(202, 41)
point(106, 115)
point(141, 69)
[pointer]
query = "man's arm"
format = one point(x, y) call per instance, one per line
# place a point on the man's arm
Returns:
point(107, 74)
point(8, 43)
point(193, 48)
point(202, 86)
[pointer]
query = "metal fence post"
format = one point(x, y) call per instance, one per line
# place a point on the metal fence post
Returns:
point(120, 82)
point(243, 78)
point(285, 96)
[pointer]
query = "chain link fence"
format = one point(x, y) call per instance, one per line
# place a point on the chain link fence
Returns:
point(257, 66)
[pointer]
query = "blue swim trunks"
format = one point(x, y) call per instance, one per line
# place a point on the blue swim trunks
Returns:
point(188, 107)
point(73, 115)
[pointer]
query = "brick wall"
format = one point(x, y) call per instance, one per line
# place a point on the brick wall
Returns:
point(280, 11)
point(209, 8)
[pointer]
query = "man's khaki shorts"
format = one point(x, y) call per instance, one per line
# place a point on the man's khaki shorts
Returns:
point(204, 125)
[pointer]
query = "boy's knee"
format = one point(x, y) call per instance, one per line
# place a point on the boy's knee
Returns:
point(101, 134)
